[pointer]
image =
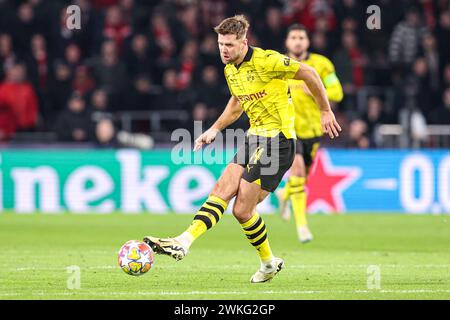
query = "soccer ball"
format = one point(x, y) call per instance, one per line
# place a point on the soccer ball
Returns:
point(135, 257)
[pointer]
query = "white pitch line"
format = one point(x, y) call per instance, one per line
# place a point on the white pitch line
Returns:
point(62, 268)
point(305, 266)
point(180, 293)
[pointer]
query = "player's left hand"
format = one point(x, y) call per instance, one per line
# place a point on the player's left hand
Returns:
point(329, 124)
point(206, 137)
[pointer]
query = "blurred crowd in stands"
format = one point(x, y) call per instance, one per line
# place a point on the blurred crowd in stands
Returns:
point(136, 55)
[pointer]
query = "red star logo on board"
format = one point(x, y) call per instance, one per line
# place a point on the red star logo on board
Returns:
point(326, 183)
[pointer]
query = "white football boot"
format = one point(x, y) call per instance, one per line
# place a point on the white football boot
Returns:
point(304, 235)
point(268, 271)
point(168, 246)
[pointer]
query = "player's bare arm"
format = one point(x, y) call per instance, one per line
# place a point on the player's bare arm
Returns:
point(315, 85)
point(232, 112)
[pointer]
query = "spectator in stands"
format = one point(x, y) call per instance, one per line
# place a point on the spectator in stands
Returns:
point(170, 96)
point(105, 134)
point(446, 76)
point(200, 113)
point(162, 35)
point(82, 83)
point(63, 36)
point(72, 56)
point(306, 12)
point(59, 90)
point(88, 32)
point(25, 26)
point(442, 114)
point(212, 12)
point(39, 63)
point(431, 55)
point(209, 51)
point(187, 65)
point(406, 38)
point(357, 135)
point(138, 57)
point(320, 44)
point(350, 61)
point(211, 91)
point(273, 32)
point(190, 26)
point(374, 116)
point(18, 103)
point(144, 95)
point(443, 34)
point(417, 85)
point(99, 108)
point(349, 9)
point(135, 13)
point(73, 123)
point(7, 55)
point(109, 72)
point(115, 28)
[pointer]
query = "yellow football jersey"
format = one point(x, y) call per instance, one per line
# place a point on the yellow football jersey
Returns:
point(259, 83)
point(307, 113)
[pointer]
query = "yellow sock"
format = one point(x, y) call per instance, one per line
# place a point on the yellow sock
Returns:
point(256, 232)
point(286, 191)
point(298, 199)
point(207, 217)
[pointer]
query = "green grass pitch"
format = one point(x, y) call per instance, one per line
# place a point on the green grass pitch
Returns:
point(412, 253)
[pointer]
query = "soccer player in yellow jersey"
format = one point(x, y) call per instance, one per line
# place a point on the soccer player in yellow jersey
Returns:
point(308, 126)
point(257, 82)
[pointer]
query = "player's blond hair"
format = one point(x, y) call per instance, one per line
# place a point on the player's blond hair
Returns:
point(237, 25)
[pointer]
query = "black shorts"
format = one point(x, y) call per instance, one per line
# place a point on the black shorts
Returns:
point(265, 160)
point(307, 148)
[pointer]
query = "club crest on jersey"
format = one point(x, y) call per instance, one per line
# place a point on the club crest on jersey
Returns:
point(250, 76)
point(287, 61)
point(251, 97)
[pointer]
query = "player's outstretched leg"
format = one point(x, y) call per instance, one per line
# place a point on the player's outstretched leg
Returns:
point(255, 230)
point(207, 216)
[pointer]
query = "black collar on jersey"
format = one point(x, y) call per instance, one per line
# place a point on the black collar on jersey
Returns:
point(247, 57)
point(306, 58)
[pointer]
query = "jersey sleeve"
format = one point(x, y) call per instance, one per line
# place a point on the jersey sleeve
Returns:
point(280, 66)
point(330, 80)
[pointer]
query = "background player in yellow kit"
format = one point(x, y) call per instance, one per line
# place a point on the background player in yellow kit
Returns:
point(308, 126)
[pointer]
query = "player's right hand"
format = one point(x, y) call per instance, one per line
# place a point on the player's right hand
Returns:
point(206, 137)
point(329, 124)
